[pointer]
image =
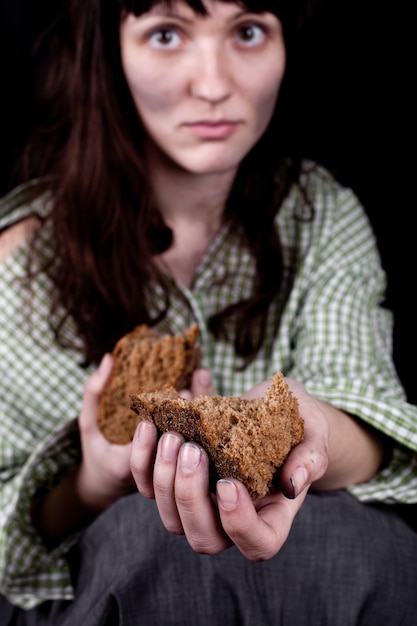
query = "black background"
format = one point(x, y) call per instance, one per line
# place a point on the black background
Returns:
point(357, 120)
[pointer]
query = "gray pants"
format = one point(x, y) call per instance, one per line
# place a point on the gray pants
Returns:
point(344, 564)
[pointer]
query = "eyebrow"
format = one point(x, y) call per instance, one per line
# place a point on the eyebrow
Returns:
point(161, 11)
point(171, 14)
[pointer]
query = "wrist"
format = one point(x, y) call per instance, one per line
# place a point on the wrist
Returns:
point(96, 495)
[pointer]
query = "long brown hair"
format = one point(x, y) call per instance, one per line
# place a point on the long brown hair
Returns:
point(86, 149)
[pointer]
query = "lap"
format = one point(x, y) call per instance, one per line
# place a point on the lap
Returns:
point(344, 564)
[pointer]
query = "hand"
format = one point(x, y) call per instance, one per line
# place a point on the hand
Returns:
point(201, 385)
point(104, 474)
point(178, 479)
point(308, 461)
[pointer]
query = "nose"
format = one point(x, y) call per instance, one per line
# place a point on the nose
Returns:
point(211, 78)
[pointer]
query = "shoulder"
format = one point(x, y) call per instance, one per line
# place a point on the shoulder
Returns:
point(21, 213)
point(319, 198)
point(12, 236)
point(321, 186)
point(21, 202)
point(323, 219)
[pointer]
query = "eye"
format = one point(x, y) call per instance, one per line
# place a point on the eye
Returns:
point(250, 34)
point(165, 38)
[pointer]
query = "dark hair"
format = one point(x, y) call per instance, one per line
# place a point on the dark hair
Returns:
point(86, 151)
point(286, 10)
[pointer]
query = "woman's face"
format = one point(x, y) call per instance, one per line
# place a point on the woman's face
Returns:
point(205, 87)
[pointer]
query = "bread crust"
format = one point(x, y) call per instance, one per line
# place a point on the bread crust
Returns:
point(143, 359)
point(244, 439)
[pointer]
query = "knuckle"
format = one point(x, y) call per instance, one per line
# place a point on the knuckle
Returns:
point(263, 551)
point(201, 545)
point(137, 464)
point(187, 491)
point(317, 461)
point(173, 527)
point(146, 492)
point(162, 487)
point(259, 556)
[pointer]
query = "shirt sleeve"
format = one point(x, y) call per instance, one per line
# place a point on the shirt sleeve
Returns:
point(40, 386)
point(30, 573)
point(342, 338)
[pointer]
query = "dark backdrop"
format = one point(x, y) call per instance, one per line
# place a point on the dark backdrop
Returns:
point(356, 120)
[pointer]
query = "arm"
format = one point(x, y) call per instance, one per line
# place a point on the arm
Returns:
point(342, 338)
point(74, 491)
point(102, 477)
point(356, 450)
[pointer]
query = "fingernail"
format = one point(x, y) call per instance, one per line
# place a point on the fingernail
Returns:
point(227, 494)
point(299, 480)
point(170, 445)
point(190, 456)
point(145, 433)
point(204, 378)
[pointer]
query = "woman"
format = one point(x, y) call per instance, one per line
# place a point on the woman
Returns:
point(163, 192)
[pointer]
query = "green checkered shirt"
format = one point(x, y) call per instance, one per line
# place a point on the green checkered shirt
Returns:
point(334, 336)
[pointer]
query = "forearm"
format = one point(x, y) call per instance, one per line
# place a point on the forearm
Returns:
point(102, 477)
point(68, 508)
point(60, 512)
point(356, 451)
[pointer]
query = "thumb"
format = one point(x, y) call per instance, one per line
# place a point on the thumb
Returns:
point(94, 388)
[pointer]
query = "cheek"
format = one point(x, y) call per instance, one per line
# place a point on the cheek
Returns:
point(150, 87)
point(264, 98)
point(146, 96)
point(270, 80)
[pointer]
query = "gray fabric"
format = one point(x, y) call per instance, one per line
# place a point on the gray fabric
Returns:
point(344, 564)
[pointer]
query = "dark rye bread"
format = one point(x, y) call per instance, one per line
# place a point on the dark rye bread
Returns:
point(143, 359)
point(244, 439)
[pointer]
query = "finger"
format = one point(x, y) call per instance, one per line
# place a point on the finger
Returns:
point(258, 530)
point(93, 389)
point(186, 394)
point(198, 513)
point(142, 455)
point(258, 391)
point(201, 385)
point(308, 461)
point(164, 480)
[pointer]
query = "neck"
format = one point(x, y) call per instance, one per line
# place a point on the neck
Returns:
point(193, 206)
point(180, 194)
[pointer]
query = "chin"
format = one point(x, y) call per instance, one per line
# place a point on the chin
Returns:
point(214, 157)
point(214, 170)
point(216, 165)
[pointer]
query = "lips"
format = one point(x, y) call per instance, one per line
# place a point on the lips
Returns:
point(206, 129)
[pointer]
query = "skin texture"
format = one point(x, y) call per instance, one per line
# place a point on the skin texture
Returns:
point(221, 71)
point(228, 69)
point(205, 87)
point(14, 235)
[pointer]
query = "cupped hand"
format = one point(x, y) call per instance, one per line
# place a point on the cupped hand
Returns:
point(178, 478)
point(104, 474)
point(308, 461)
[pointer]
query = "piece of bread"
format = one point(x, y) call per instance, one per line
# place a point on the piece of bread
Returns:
point(144, 359)
point(244, 439)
